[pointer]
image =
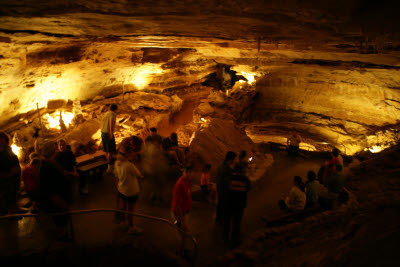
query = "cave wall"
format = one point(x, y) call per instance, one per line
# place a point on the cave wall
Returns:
point(342, 102)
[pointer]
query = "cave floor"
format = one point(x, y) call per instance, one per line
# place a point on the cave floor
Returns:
point(35, 236)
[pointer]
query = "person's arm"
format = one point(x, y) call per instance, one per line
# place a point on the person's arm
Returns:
point(111, 128)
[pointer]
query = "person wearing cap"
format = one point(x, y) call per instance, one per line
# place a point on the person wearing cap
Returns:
point(182, 204)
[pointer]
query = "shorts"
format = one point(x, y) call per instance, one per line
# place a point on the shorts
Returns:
point(131, 199)
point(108, 145)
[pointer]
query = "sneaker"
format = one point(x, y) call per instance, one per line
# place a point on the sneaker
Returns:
point(135, 230)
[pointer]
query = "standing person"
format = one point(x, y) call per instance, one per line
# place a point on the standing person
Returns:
point(182, 204)
point(312, 190)
point(293, 144)
point(154, 138)
point(243, 161)
point(107, 134)
point(10, 174)
point(67, 162)
point(128, 189)
point(206, 185)
point(224, 174)
point(53, 193)
point(30, 176)
point(239, 185)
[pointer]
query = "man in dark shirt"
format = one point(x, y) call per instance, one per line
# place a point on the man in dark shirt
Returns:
point(67, 161)
point(10, 173)
point(224, 174)
point(239, 185)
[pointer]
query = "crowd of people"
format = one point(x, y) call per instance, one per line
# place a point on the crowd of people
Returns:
point(51, 174)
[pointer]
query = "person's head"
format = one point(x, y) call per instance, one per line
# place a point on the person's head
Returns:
point(153, 131)
point(4, 141)
point(188, 171)
point(207, 168)
point(61, 145)
point(113, 107)
point(230, 157)
point(242, 154)
point(311, 176)
point(298, 181)
point(174, 137)
point(335, 152)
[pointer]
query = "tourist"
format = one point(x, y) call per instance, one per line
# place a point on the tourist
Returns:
point(243, 161)
point(330, 165)
point(239, 185)
point(207, 187)
point(293, 144)
point(175, 146)
point(155, 166)
point(107, 134)
point(53, 193)
point(335, 181)
point(312, 190)
point(224, 174)
point(181, 205)
point(154, 138)
point(127, 176)
point(296, 200)
point(10, 174)
point(30, 176)
point(170, 153)
point(67, 162)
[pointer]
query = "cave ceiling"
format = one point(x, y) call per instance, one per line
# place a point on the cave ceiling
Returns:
point(328, 68)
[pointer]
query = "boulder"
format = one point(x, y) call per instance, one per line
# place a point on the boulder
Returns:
point(204, 109)
point(83, 133)
point(216, 137)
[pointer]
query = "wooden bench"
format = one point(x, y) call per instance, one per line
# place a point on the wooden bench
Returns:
point(91, 166)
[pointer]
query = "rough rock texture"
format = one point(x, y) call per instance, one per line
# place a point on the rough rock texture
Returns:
point(329, 68)
point(210, 143)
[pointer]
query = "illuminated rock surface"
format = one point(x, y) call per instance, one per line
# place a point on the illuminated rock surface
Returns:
point(330, 69)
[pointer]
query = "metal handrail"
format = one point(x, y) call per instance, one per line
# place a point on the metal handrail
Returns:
point(72, 212)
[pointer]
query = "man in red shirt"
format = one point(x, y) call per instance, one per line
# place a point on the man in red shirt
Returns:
point(182, 203)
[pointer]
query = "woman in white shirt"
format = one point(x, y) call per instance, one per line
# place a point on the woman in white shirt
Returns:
point(128, 188)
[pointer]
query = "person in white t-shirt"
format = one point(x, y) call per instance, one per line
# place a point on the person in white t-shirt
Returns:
point(296, 200)
point(107, 134)
point(128, 189)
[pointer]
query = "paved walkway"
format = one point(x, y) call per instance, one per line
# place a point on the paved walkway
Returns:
point(29, 235)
